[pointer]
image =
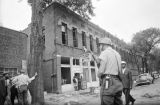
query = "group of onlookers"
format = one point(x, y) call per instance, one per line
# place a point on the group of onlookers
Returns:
point(17, 86)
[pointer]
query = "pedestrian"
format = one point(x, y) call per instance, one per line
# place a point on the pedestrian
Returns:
point(75, 83)
point(127, 84)
point(79, 83)
point(109, 70)
point(4, 81)
point(152, 74)
point(21, 82)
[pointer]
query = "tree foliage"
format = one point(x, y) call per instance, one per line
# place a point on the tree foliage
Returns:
point(144, 43)
point(81, 7)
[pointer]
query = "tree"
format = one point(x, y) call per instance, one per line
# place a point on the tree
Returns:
point(136, 56)
point(145, 41)
point(82, 7)
point(36, 52)
point(154, 59)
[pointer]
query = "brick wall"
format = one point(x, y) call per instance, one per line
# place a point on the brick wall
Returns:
point(13, 48)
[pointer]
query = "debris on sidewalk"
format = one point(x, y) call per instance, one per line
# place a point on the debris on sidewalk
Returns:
point(147, 95)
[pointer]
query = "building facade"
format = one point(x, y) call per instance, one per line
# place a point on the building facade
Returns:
point(66, 33)
point(13, 48)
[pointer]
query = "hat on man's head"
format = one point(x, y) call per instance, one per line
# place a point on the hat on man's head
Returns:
point(5, 73)
point(22, 71)
point(106, 41)
point(123, 62)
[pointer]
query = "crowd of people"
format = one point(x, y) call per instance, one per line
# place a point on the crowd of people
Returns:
point(17, 86)
point(114, 76)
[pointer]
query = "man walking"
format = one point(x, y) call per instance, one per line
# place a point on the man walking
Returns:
point(21, 82)
point(110, 67)
point(127, 84)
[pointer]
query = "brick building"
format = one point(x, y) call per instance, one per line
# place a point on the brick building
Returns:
point(13, 48)
point(65, 35)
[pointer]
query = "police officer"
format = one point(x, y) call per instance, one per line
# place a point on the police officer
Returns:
point(110, 67)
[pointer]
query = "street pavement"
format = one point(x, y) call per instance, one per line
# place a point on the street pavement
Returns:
point(144, 95)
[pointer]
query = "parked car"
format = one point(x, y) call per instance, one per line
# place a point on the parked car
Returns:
point(145, 78)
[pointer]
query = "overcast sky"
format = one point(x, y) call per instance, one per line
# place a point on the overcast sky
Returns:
point(122, 18)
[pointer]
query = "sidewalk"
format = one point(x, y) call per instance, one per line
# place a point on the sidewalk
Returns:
point(81, 97)
point(144, 95)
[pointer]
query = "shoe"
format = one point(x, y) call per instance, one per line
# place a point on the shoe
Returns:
point(133, 102)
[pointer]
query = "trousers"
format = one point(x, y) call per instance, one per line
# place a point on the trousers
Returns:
point(128, 97)
point(22, 98)
point(112, 94)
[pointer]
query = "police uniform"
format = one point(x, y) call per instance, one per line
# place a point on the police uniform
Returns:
point(111, 86)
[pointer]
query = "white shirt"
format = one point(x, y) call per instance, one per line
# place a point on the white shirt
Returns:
point(112, 61)
point(22, 80)
point(123, 70)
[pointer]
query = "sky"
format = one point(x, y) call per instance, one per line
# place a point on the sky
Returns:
point(122, 18)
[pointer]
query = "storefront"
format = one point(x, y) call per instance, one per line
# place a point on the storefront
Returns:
point(85, 70)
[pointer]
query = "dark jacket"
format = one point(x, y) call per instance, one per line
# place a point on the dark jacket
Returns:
point(3, 91)
point(127, 79)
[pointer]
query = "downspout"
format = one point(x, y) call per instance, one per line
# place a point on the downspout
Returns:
point(54, 55)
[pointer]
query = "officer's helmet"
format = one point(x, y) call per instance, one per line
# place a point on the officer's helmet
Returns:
point(106, 41)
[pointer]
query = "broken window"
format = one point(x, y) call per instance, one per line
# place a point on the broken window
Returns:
point(76, 62)
point(84, 63)
point(92, 63)
point(75, 38)
point(93, 74)
point(64, 34)
point(65, 60)
point(84, 39)
point(91, 42)
point(65, 75)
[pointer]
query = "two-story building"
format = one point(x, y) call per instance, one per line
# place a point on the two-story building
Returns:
point(65, 35)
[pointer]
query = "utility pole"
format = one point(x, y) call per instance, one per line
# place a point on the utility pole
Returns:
point(36, 53)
